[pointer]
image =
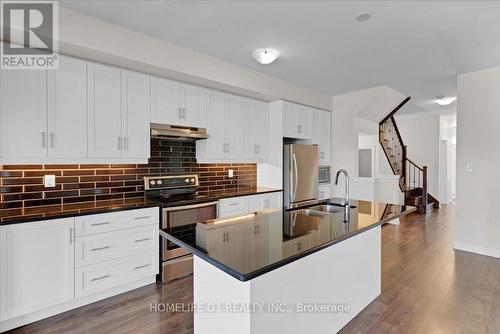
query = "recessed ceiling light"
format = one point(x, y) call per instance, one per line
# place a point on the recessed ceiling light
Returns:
point(363, 16)
point(444, 101)
point(265, 56)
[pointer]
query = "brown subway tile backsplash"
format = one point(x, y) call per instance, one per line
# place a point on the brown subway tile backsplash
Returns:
point(22, 185)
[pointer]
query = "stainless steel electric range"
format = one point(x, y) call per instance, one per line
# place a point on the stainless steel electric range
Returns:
point(183, 207)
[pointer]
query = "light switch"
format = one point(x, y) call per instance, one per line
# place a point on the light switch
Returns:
point(49, 181)
point(230, 173)
point(469, 168)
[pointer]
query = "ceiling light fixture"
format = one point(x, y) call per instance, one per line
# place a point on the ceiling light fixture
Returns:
point(265, 56)
point(363, 16)
point(444, 101)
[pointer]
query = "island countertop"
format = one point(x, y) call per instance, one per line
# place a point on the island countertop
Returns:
point(248, 246)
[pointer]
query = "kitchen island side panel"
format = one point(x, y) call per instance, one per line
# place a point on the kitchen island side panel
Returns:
point(346, 274)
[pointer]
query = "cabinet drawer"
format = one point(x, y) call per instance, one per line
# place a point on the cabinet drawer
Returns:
point(233, 206)
point(107, 246)
point(108, 275)
point(115, 221)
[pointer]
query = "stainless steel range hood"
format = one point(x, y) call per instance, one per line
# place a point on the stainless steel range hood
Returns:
point(177, 132)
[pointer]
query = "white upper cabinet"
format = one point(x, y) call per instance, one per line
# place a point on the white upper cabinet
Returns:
point(320, 129)
point(296, 121)
point(36, 266)
point(238, 129)
point(118, 113)
point(135, 114)
point(105, 112)
point(223, 128)
point(166, 101)
point(23, 115)
point(67, 109)
point(177, 104)
point(255, 123)
point(194, 102)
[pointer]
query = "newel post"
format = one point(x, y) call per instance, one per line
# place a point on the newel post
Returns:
point(424, 187)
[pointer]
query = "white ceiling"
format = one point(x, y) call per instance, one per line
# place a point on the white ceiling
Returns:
point(415, 47)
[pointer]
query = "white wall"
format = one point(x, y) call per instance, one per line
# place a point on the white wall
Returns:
point(421, 135)
point(478, 160)
point(86, 37)
point(353, 114)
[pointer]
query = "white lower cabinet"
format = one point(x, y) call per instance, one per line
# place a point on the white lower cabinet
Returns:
point(47, 267)
point(107, 275)
point(234, 206)
point(36, 266)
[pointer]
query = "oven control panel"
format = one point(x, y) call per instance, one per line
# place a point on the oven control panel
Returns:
point(169, 182)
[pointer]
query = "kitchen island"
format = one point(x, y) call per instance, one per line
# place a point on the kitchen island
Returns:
point(280, 271)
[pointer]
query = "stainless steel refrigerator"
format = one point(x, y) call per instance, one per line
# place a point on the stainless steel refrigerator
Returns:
point(300, 174)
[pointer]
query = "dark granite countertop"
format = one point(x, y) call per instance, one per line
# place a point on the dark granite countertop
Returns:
point(70, 210)
point(244, 192)
point(23, 215)
point(248, 246)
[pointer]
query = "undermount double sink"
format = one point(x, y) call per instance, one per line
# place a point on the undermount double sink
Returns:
point(328, 208)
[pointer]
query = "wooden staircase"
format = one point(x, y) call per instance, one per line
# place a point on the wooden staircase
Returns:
point(413, 178)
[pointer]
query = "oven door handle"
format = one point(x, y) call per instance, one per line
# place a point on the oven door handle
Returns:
point(192, 206)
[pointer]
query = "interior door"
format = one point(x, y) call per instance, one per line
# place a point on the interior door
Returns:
point(23, 114)
point(135, 115)
point(104, 100)
point(67, 105)
point(304, 165)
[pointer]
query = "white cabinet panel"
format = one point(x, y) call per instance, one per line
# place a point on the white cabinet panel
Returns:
point(215, 146)
point(135, 115)
point(36, 266)
point(23, 114)
point(296, 121)
point(104, 100)
point(67, 109)
point(232, 125)
point(255, 128)
point(265, 201)
point(320, 128)
point(166, 101)
point(193, 106)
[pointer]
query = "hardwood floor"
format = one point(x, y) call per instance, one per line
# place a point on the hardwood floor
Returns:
point(427, 287)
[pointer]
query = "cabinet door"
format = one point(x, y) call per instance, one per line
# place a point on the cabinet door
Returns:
point(216, 145)
point(273, 200)
point(303, 122)
point(256, 203)
point(316, 126)
point(67, 105)
point(23, 114)
point(290, 120)
point(263, 131)
point(233, 135)
point(325, 141)
point(36, 266)
point(104, 112)
point(193, 104)
point(135, 115)
point(250, 121)
point(166, 102)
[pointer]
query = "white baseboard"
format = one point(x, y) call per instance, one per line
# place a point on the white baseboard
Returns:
point(493, 252)
point(51, 311)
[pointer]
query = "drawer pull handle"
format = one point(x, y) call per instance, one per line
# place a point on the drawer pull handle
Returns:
point(143, 217)
point(99, 224)
point(233, 204)
point(99, 278)
point(141, 240)
point(143, 266)
point(99, 248)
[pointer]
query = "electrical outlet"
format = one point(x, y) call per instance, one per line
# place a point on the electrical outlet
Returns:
point(49, 181)
point(230, 173)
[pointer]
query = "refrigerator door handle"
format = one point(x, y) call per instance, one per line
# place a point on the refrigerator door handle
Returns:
point(296, 181)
